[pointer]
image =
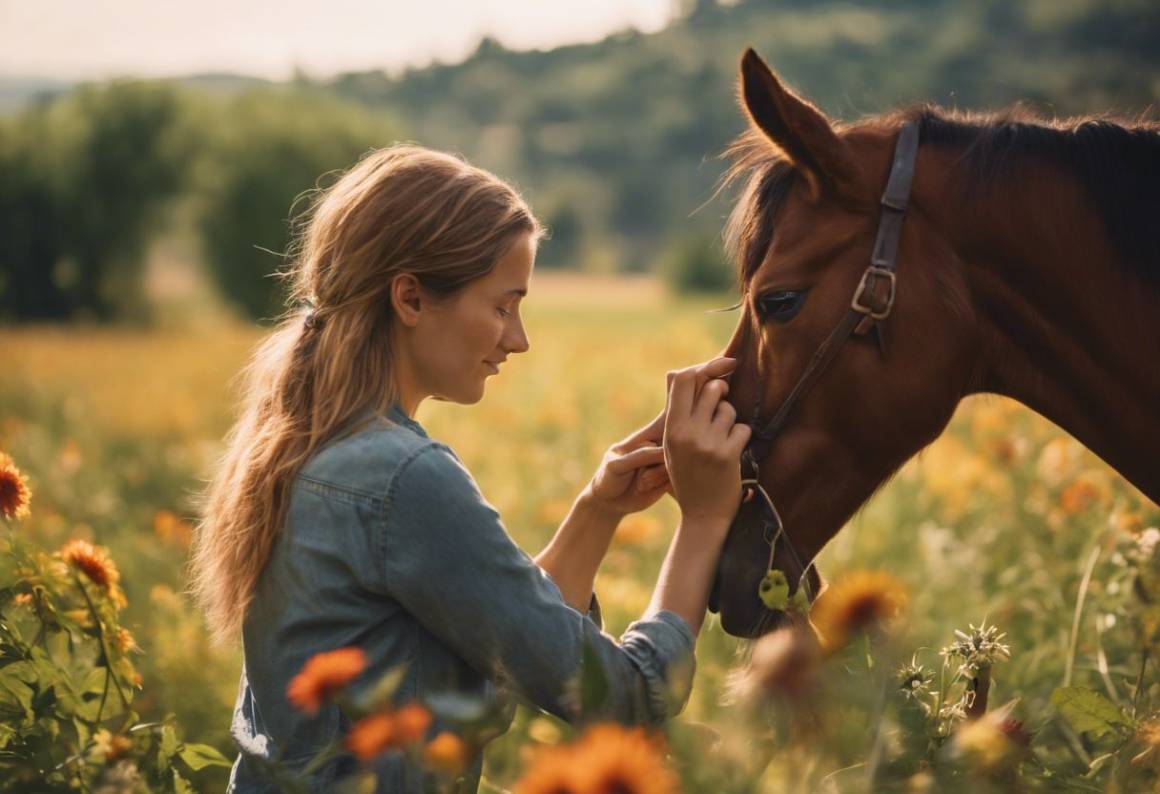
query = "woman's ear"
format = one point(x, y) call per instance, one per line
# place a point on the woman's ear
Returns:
point(406, 299)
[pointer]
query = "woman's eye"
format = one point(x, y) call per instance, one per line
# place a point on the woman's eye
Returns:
point(781, 306)
point(503, 312)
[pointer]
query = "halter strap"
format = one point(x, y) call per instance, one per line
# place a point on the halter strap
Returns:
point(873, 301)
point(874, 297)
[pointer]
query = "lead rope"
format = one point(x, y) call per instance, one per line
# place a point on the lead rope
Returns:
point(754, 485)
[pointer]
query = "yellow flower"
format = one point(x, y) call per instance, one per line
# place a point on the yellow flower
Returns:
point(608, 759)
point(446, 752)
point(861, 601)
point(93, 561)
point(323, 675)
point(14, 493)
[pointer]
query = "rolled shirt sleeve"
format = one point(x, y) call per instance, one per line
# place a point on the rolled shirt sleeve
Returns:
point(447, 558)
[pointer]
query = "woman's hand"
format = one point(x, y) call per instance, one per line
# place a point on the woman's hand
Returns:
point(632, 475)
point(703, 444)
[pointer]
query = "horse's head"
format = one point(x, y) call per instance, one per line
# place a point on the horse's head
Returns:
point(802, 236)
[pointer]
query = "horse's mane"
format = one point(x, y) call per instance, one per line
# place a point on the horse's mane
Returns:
point(1116, 160)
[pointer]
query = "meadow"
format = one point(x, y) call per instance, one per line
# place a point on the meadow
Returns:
point(1005, 519)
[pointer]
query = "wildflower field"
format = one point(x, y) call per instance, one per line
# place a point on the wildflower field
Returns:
point(990, 623)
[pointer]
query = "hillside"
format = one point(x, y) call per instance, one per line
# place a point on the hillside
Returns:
point(615, 142)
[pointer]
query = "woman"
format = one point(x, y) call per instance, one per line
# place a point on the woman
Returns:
point(335, 521)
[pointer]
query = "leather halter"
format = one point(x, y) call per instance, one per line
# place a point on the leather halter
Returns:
point(872, 302)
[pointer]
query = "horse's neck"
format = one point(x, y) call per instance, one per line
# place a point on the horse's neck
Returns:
point(1066, 328)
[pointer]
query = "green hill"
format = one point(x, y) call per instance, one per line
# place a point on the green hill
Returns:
point(616, 142)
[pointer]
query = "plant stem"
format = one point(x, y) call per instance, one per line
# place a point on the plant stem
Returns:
point(104, 648)
point(1079, 600)
point(1139, 682)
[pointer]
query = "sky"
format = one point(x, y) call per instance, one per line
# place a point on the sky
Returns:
point(98, 39)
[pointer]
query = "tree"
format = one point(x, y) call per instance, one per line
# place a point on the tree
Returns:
point(270, 148)
point(84, 180)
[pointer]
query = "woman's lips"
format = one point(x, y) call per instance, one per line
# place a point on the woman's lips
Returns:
point(494, 368)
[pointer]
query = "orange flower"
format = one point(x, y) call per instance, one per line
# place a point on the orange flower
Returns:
point(93, 561)
point(862, 601)
point(554, 770)
point(384, 730)
point(372, 735)
point(608, 759)
point(412, 722)
point(22, 599)
point(446, 752)
point(14, 493)
point(323, 675)
point(625, 761)
point(124, 641)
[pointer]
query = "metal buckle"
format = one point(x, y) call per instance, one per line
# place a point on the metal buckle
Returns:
point(857, 303)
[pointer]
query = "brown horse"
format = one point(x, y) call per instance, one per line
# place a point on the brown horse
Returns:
point(1028, 266)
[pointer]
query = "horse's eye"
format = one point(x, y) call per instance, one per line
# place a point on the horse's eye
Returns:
point(781, 306)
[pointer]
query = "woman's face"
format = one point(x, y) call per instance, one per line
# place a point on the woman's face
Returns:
point(465, 340)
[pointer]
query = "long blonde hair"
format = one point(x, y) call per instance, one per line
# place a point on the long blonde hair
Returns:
point(402, 209)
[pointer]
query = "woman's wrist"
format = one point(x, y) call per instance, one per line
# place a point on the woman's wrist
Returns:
point(689, 568)
point(593, 509)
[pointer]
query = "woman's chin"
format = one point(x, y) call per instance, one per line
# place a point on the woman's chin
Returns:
point(476, 394)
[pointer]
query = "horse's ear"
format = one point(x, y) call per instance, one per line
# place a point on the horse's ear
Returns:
point(799, 129)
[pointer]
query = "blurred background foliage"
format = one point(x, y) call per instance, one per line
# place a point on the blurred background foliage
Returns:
point(615, 143)
point(157, 207)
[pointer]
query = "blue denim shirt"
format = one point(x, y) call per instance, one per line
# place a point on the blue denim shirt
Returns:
point(390, 546)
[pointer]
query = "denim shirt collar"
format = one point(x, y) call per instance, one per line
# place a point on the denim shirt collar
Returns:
point(397, 414)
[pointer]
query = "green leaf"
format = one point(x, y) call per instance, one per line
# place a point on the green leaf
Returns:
point(593, 680)
point(384, 689)
point(14, 691)
point(166, 747)
point(1087, 711)
point(199, 756)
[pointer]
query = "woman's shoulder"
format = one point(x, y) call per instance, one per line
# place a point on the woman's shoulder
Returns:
point(366, 456)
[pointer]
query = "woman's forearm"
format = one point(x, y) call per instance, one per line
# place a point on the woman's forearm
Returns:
point(687, 573)
point(574, 554)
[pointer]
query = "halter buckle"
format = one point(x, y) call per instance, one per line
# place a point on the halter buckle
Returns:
point(865, 293)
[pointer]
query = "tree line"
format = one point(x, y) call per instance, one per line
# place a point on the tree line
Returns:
point(614, 143)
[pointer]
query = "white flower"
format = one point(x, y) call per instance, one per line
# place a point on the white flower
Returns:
point(979, 648)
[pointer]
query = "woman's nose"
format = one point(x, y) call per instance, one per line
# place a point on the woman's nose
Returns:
point(518, 341)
